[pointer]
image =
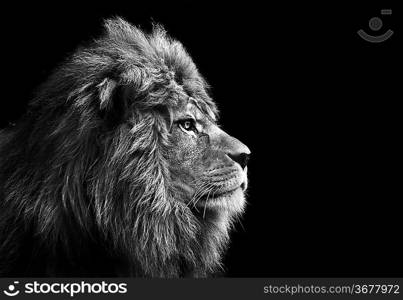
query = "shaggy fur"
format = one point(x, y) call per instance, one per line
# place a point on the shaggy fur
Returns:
point(85, 188)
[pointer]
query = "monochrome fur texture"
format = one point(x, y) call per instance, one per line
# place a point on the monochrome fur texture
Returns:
point(85, 181)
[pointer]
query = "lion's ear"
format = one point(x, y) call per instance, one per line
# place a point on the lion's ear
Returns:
point(113, 104)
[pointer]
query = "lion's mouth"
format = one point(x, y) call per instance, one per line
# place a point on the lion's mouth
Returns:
point(217, 197)
point(221, 194)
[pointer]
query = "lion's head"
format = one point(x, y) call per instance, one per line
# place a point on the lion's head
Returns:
point(119, 166)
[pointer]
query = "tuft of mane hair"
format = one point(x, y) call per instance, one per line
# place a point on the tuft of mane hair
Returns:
point(84, 183)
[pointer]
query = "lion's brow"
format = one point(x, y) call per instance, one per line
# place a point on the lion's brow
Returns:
point(205, 109)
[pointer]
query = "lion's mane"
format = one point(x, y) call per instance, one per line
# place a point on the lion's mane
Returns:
point(83, 193)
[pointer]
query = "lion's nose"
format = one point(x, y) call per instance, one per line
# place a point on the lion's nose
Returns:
point(240, 158)
point(240, 154)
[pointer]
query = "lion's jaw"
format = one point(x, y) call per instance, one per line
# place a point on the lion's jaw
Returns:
point(227, 192)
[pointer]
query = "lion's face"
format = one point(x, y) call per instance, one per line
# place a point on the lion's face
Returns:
point(208, 166)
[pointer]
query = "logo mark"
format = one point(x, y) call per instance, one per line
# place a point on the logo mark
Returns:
point(12, 291)
point(376, 24)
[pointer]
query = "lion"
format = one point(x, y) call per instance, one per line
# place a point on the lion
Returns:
point(118, 167)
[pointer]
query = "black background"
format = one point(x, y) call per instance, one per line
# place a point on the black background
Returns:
point(315, 103)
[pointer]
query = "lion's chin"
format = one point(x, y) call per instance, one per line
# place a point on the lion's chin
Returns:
point(233, 202)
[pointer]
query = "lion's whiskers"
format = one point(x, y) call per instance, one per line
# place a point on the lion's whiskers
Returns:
point(198, 194)
point(206, 189)
point(205, 204)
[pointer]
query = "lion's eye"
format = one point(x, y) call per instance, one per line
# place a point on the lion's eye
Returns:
point(188, 125)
